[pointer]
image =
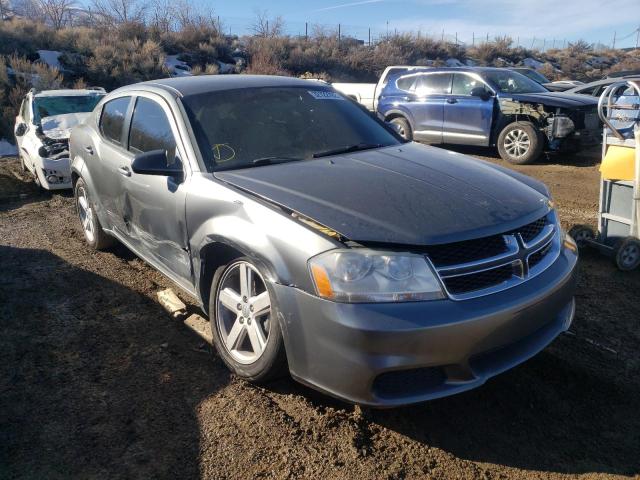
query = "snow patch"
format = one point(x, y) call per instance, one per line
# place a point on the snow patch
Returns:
point(454, 62)
point(7, 149)
point(51, 58)
point(177, 68)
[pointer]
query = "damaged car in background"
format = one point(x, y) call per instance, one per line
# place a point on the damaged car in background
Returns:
point(319, 243)
point(42, 131)
point(489, 107)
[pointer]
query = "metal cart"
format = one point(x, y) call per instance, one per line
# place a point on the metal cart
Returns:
point(619, 213)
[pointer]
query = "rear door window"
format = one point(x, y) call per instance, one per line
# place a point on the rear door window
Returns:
point(112, 119)
point(150, 129)
point(433, 84)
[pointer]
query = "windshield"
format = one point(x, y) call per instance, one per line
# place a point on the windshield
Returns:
point(533, 75)
point(256, 126)
point(49, 106)
point(507, 81)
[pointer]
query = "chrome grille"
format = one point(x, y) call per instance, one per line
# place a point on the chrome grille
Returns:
point(487, 265)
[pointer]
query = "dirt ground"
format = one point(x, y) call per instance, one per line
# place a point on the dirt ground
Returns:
point(96, 381)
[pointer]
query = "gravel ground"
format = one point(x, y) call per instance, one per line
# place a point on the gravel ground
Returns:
point(96, 381)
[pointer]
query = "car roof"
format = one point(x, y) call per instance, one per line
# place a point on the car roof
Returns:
point(68, 93)
point(185, 86)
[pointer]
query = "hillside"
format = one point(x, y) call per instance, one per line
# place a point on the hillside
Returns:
point(35, 54)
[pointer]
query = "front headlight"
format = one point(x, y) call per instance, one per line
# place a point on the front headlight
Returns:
point(362, 275)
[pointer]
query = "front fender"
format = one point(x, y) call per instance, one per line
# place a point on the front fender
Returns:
point(218, 213)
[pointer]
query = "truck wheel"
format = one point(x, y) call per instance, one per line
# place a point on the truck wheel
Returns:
point(627, 254)
point(243, 321)
point(403, 126)
point(582, 234)
point(93, 233)
point(520, 143)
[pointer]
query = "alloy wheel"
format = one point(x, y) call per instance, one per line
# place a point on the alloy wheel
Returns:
point(517, 143)
point(86, 214)
point(243, 312)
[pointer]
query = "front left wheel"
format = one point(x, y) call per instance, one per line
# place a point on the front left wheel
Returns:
point(244, 322)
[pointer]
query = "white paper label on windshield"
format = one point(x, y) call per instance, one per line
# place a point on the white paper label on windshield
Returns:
point(325, 95)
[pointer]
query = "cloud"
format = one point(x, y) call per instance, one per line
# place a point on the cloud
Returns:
point(346, 5)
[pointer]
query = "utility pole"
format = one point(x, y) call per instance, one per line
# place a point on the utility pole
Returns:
point(387, 28)
point(306, 30)
point(369, 36)
point(487, 37)
point(456, 38)
point(638, 37)
point(442, 37)
point(544, 41)
point(339, 34)
point(614, 40)
point(473, 38)
point(517, 42)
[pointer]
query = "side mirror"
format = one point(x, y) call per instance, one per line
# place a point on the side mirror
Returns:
point(481, 92)
point(21, 129)
point(155, 163)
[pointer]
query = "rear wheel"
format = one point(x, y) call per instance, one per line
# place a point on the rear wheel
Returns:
point(627, 254)
point(244, 322)
point(520, 143)
point(93, 233)
point(403, 127)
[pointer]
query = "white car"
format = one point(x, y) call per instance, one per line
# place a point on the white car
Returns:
point(42, 132)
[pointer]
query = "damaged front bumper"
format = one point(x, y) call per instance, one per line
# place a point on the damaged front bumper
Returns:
point(54, 174)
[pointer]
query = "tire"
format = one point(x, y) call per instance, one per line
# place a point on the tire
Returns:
point(520, 143)
point(627, 254)
point(237, 331)
point(93, 233)
point(581, 234)
point(404, 128)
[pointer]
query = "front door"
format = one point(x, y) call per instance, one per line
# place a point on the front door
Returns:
point(467, 118)
point(153, 207)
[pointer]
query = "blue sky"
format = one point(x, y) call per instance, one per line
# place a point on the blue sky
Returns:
point(592, 20)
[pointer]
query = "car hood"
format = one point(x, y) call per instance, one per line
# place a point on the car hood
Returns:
point(554, 99)
point(59, 127)
point(409, 194)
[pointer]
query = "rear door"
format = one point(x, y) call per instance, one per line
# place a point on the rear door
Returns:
point(425, 103)
point(467, 119)
point(109, 160)
point(154, 205)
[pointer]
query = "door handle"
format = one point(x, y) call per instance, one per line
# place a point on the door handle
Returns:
point(89, 149)
point(452, 100)
point(124, 171)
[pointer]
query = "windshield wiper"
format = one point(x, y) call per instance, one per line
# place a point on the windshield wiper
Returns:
point(350, 148)
point(273, 160)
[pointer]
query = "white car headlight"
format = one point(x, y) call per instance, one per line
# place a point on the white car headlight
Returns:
point(361, 275)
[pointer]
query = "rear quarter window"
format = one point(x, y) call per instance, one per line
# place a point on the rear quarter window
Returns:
point(112, 119)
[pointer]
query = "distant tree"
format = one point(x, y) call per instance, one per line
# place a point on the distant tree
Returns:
point(264, 26)
point(57, 12)
point(580, 47)
point(118, 12)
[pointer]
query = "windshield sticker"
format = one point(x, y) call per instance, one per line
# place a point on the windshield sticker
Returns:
point(325, 95)
point(223, 152)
